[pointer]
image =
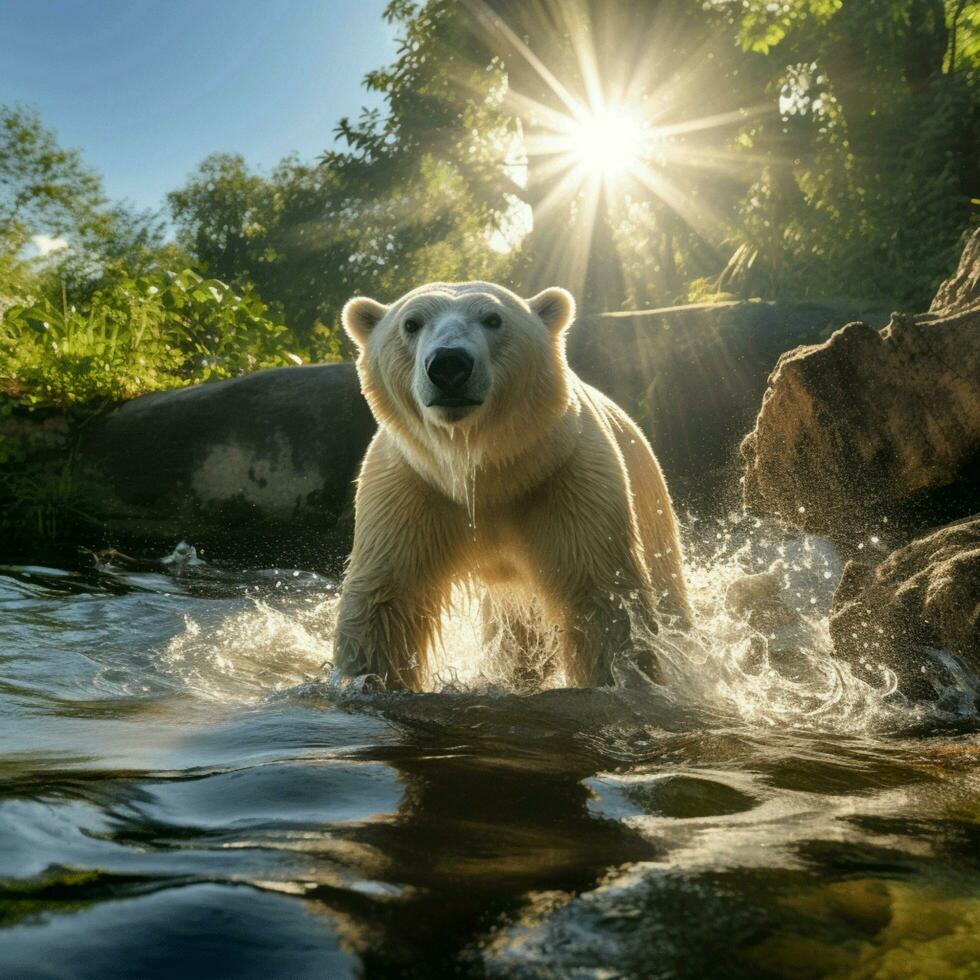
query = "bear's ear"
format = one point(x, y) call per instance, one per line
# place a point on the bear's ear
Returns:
point(360, 316)
point(556, 307)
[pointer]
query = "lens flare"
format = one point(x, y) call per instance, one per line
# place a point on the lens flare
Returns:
point(621, 117)
point(608, 143)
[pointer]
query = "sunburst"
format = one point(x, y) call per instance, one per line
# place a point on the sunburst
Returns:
point(622, 136)
point(608, 143)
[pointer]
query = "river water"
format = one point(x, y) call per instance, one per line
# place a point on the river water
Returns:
point(184, 790)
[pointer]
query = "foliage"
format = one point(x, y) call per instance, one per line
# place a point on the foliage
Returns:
point(761, 26)
point(127, 243)
point(115, 313)
point(133, 335)
point(433, 177)
point(868, 170)
point(17, 281)
point(42, 499)
point(851, 171)
point(50, 199)
point(375, 219)
point(43, 187)
point(848, 166)
point(137, 335)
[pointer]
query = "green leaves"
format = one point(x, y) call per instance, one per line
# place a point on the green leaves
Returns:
point(869, 166)
point(137, 335)
point(43, 187)
point(764, 24)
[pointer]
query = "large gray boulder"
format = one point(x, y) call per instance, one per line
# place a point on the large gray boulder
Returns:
point(870, 423)
point(259, 468)
point(924, 596)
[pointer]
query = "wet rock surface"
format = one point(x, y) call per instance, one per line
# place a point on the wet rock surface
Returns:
point(259, 467)
point(693, 377)
point(869, 422)
point(962, 290)
point(879, 431)
point(925, 595)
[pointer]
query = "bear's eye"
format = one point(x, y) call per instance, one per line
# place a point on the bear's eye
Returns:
point(412, 325)
point(492, 320)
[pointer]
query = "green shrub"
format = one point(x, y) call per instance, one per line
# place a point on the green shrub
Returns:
point(137, 335)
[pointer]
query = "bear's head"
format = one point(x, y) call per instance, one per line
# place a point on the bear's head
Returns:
point(472, 357)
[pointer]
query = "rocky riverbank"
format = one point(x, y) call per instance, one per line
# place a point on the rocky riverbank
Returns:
point(868, 434)
point(872, 438)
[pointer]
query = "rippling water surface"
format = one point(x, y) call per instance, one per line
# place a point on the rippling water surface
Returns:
point(184, 790)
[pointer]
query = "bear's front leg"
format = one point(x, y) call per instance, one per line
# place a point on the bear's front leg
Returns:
point(589, 564)
point(379, 632)
point(596, 628)
point(406, 542)
point(520, 640)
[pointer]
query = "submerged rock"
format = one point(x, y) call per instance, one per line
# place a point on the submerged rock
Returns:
point(924, 595)
point(868, 422)
point(759, 601)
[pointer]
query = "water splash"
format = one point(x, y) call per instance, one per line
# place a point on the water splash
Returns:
point(253, 653)
point(766, 664)
point(765, 661)
point(463, 467)
point(771, 662)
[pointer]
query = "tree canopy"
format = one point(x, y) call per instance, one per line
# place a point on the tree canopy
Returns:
point(796, 148)
point(44, 188)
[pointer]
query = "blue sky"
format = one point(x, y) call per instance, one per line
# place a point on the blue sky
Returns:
point(148, 88)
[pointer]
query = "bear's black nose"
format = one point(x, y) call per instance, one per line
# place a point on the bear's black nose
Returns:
point(449, 368)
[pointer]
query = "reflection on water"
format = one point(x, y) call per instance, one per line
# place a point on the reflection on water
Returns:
point(182, 785)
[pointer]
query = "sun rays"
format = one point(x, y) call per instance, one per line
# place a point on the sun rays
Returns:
point(608, 143)
point(612, 119)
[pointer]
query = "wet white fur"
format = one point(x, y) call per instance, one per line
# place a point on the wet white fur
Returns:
point(548, 486)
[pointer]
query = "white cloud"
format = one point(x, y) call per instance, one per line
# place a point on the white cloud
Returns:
point(46, 244)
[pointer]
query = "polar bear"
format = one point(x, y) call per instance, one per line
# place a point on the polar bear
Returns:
point(495, 465)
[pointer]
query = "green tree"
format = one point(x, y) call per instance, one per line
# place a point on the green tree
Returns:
point(484, 89)
point(44, 188)
point(285, 233)
point(811, 147)
point(871, 165)
point(366, 220)
point(223, 214)
point(439, 184)
point(48, 190)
